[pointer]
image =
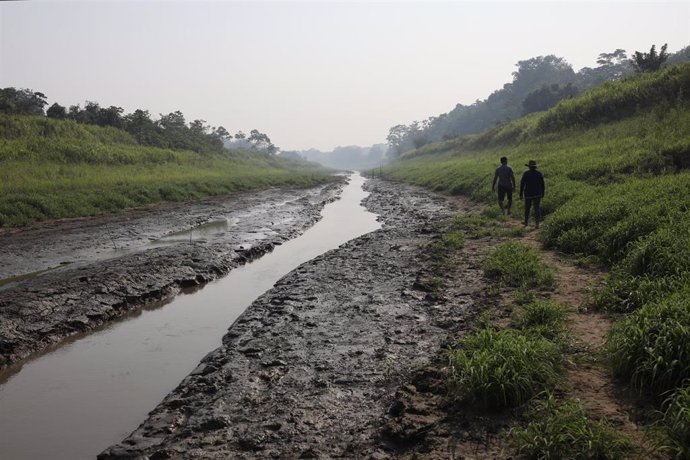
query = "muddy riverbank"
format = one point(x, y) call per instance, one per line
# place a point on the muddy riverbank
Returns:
point(110, 266)
point(312, 366)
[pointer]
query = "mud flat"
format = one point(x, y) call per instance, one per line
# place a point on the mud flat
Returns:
point(310, 369)
point(110, 266)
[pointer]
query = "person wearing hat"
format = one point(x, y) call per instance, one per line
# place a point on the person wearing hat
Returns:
point(532, 189)
point(506, 185)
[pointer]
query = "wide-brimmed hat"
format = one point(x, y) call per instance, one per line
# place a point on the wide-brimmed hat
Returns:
point(531, 164)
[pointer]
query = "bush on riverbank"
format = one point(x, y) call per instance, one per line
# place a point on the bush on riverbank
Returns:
point(53, 169)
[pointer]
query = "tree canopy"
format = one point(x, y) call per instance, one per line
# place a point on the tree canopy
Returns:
point(168, 131)
point(538, 84)
point(22, 101)
point(650, 62)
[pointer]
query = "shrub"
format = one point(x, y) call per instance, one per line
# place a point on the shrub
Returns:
point(562, 430)
point(497, 369)
point(517, 265)
point(615, 100)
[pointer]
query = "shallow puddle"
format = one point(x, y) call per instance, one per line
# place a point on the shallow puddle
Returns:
point(213, 228)
point(74, 402)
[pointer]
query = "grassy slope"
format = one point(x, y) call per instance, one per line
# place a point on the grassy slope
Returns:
point(611, 180)
point(617, 168)
point(55, 169)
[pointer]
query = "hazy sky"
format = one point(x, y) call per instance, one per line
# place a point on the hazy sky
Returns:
point(310, 74)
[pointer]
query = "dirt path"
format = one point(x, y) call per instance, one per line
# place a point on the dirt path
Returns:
point(98, 285)
point(586, 378)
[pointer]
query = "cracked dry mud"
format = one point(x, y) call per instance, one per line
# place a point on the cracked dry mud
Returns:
point(310, 369)
point(154, 258)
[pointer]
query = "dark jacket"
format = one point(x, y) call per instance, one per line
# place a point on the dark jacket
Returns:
point(532, 184)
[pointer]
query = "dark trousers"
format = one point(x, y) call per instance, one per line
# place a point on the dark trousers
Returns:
point(502, 193)
point(536, 202)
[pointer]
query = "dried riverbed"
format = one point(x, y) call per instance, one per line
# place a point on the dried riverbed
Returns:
point(312, 366)
point(110, 266)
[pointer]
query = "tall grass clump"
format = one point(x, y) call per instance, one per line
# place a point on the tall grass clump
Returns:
point(562, 430)
point(498, 369)
point(651, 347)
point(517, 265)
point(653, 267)
point(676, 423)
point(543, 317)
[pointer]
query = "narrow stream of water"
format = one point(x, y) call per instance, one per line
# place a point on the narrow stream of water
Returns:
point(75, 401)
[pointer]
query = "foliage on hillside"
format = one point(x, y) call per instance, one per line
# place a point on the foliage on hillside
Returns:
point(59, 168)
point(169, 131)
point(538, 84)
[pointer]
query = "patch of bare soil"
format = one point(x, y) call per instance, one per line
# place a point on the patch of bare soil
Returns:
point(421, 423)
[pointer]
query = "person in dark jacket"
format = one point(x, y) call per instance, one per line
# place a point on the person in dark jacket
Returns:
point(506, 185)
point(532, 190)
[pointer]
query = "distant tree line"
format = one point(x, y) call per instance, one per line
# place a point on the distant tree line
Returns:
point(343, 157)
point(538, 84)
point(168, 131)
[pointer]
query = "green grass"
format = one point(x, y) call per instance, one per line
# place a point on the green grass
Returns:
point(653, 266)
point(484, 225)
point(453, 240)
point(676, 423)
point(499, 369)
point(561, 429)
point(651, 347)
point(53, 169)
point(517, 265)
point(616, 162)
point(543, 317)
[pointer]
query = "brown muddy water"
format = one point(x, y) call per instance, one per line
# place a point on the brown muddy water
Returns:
point(75, 401)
